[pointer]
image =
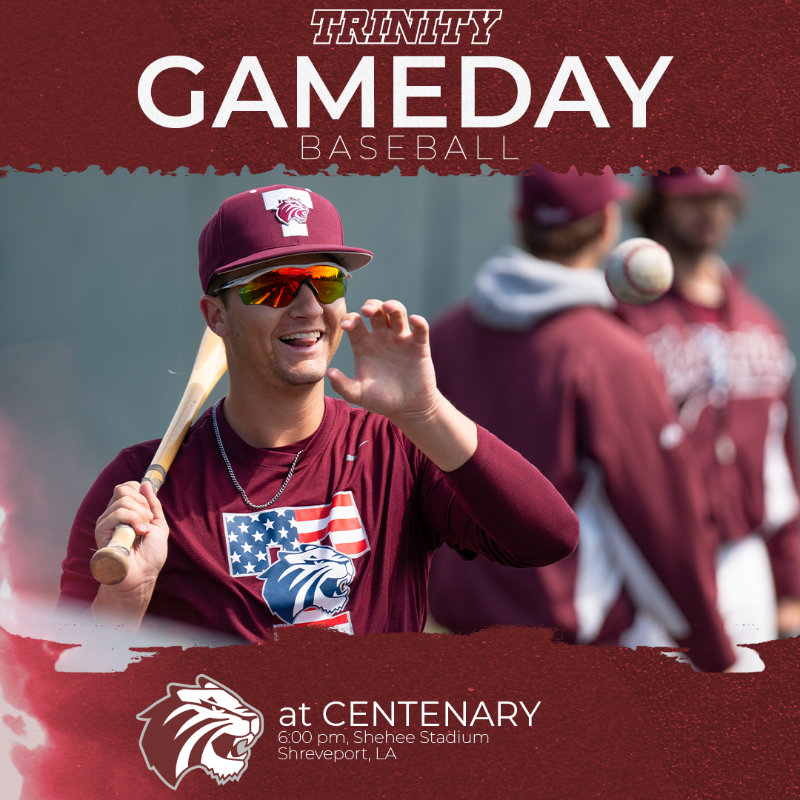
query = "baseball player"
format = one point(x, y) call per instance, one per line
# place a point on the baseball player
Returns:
point(727, 365)
point(538, 358)
point(285, 507)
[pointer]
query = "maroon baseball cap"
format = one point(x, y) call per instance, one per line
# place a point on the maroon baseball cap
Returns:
point(550, 199)
point(272, 222)
point(676, 182)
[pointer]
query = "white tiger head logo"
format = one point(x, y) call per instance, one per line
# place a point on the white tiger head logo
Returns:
point(202, 726)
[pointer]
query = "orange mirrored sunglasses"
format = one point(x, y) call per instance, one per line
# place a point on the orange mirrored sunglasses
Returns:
point(278, 287)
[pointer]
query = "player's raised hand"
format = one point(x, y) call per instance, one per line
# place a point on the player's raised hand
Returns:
point(394, 376)
point(394, 373)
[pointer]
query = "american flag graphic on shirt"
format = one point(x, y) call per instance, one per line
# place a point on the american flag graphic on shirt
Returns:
point(254, 540)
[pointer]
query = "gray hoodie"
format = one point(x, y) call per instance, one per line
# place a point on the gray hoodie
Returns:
point(515, 291)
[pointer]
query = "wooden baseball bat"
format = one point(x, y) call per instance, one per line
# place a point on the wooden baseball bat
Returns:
point(110, 564)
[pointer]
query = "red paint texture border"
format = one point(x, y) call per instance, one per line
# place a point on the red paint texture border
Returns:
point(730, 94)
point(612, 723)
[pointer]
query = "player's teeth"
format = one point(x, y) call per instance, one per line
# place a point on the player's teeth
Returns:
point(291, 336)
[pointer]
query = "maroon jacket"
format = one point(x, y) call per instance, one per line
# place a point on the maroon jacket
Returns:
point(349, 542)
point(728, 370)
point(579, 388)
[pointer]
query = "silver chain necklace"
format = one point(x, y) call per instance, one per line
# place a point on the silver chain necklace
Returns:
point(233, 477)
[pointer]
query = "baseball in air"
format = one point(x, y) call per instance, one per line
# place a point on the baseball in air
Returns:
point(638, 271)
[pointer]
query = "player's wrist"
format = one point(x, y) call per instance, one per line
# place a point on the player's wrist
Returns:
point(442, 433)
point(122, 603)
point(423, 418)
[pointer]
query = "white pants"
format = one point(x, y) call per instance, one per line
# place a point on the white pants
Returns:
point(746, 602)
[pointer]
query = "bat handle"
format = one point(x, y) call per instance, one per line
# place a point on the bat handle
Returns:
point(110, 564)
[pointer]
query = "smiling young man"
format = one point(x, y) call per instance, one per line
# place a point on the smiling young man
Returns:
point(285, 507)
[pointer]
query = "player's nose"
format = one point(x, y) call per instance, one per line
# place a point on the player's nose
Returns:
point(305, 302)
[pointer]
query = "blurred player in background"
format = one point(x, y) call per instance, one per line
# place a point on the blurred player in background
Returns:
point(727, 365)
point(538, 359)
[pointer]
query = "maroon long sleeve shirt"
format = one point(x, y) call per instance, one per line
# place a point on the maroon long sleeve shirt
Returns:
point(349, 542)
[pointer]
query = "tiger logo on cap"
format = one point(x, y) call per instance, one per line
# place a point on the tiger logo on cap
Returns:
point(291, 210)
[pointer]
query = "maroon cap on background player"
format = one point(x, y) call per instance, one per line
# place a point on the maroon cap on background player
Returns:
point(676, 182)
point(271, 222)
point(550, 199)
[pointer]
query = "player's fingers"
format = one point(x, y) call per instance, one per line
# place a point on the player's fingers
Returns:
point(132, 503)
point(129, 489)
point(373, 311)
point(355, 327)
point(397, 315)
point(349, 389)
point(420, 329)
point(155, 504)
point(106, 526)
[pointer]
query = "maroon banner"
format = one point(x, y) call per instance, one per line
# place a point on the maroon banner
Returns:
point(556, 83)
point(506, 713)
point(165, 85)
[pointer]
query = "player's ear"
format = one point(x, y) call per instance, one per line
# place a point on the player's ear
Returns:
point(612, 225)
point(215, 314)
